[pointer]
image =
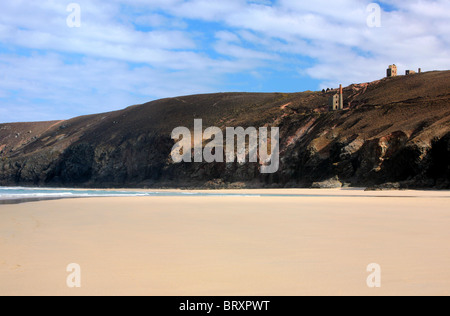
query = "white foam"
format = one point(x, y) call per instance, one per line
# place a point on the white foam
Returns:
point(30, 193)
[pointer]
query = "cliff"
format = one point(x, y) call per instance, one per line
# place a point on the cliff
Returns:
point(394, 132)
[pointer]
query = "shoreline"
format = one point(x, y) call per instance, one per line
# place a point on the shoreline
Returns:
point(263, 193)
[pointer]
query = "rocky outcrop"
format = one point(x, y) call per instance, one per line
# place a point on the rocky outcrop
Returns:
point(402, 141)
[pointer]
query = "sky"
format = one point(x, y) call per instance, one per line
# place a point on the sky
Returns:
point(130, 52)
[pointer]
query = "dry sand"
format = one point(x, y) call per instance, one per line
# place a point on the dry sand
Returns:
point(229, 245)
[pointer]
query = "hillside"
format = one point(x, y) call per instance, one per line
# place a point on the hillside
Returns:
point(393, 132)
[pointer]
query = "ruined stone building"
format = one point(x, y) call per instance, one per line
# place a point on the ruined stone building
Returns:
point(409, 72)
point(336, 102)
point(392, 71)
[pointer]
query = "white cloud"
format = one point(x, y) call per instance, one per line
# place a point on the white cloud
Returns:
point(157, 20)
point(88, 86)
point(236, 51)
point(206, 9)
point(115, 62)
point(227, 36)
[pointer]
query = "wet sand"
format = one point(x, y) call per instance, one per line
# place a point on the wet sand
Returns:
point(320, 244)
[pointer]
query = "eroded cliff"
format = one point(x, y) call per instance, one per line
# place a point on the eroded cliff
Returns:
point(394, 133)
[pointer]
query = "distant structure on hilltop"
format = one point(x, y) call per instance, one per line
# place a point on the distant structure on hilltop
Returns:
point(392, 71)
point(336, 102)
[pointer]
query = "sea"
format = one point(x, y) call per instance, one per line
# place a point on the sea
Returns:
point(14, 195)
point(9, 195)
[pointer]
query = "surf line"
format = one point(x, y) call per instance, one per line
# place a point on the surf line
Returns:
point(214, 149)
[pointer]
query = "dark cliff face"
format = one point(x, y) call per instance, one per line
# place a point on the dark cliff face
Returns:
point(393, 133)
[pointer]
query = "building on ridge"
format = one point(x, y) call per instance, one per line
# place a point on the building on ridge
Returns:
point(392, 71)
point(336, 102)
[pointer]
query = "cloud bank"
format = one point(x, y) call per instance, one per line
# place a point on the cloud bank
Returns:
point(130, 52)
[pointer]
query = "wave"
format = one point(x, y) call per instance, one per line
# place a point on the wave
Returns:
point(29, 193)
point(8, 193)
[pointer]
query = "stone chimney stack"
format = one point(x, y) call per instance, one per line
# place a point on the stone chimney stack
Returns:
point(341, 98)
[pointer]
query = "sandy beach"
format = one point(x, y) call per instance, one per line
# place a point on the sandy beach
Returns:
point(320, 244)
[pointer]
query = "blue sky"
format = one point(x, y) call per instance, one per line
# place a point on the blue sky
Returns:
point(131, 52)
